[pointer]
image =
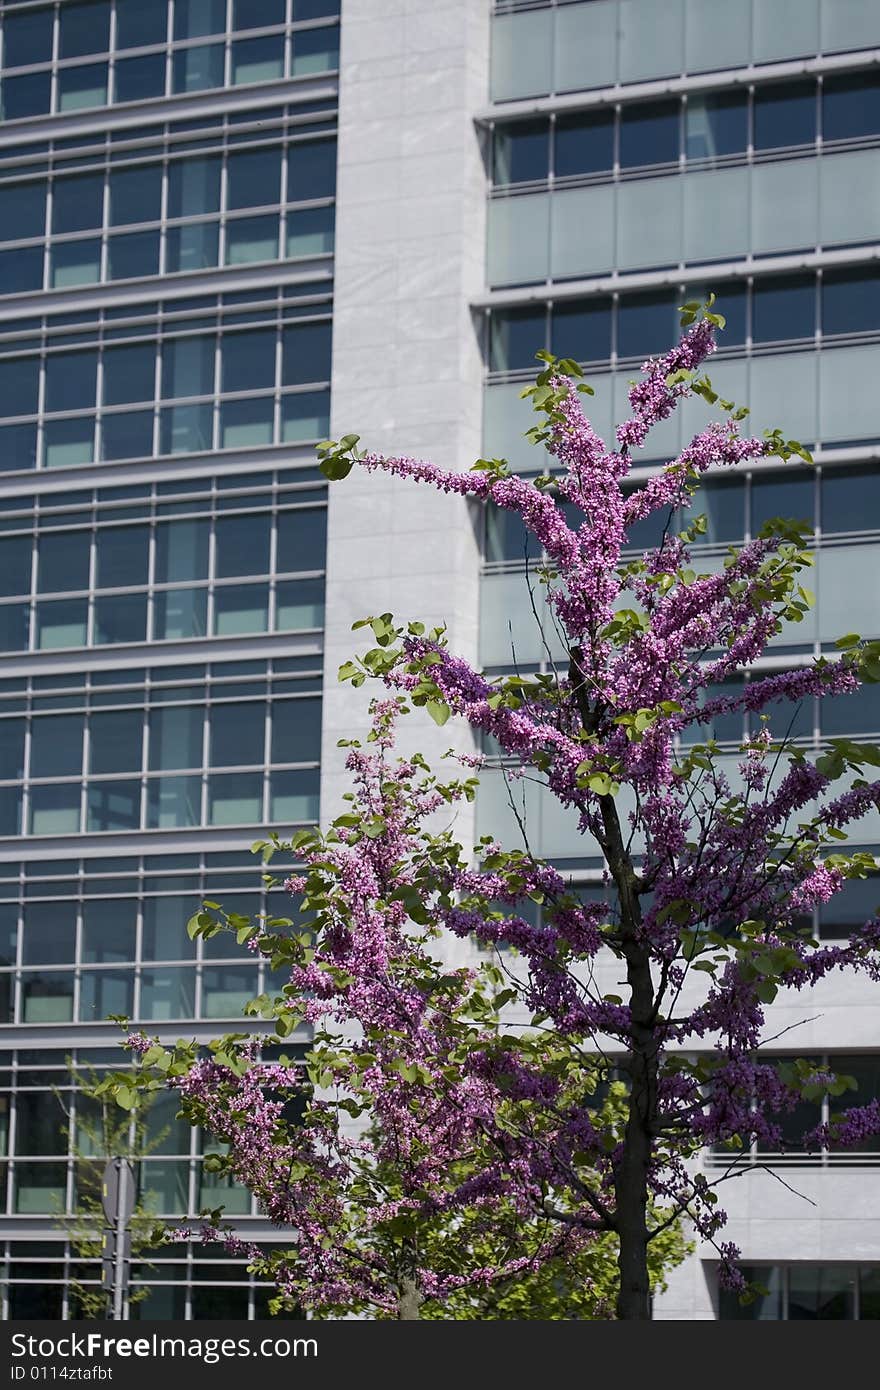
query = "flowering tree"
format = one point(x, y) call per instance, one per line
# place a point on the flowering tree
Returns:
point(709, 869)
point(420, 1153)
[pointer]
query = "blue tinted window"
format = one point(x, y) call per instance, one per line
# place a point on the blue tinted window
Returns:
point(646, 324)
point(783, 308)
point(27, 38)
point(135, 194)
point(850, 106)
point(26, 96)
point(857, 712)
point(18, 447)
point(515, 335)
point(115, 741)
point(85, 28)
point(127, 436)
point(782, 495)
point(315, 50)
point(186, 429)
point(136, 79)
point(507, 538)
point(247, 423)
point(248, 360)
point(302, 541)
point(785, 115)
point(19, 381)
point(181, 551)
point(108, 934)
point(14, 627)
point(850, 499)
point(81, 87)
point(21, 269)
point(521, 151)
point(584, 144)
point(237, 733)
point(63, 561)
point(296, 731)
point(649, 133)
point(305, 415)
point(70, 380)
point(193, 18)
point(851, 301)
point(722, 502)
point(732, 302)
point(77, 203)
point(647, 533)
point(716, 125)
point(129, 373)
point(252, 239)
point(254, 14)
point(141, 23)
point(191, 247)
point(254, 178)
point(15, 566)
point(68, 442)
point(315, 9)
point(188, 366)
point(258, 60)
point(122, 556)
point(133, 256)
point(242, 545)
point(22, 210)
point(121, 618)
point(56, 745)
point(582, 330)
point(114, 806)
point(11, 763)
point(49, 931)
point(76, 263)
point(194, 186)
point(311, 170)
point(195, 69)
point(306, 355)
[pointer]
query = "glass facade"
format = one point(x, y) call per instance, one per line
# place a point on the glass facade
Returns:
point(166, 298)
point(640, 155)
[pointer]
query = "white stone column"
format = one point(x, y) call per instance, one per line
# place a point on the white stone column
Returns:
point(407, 372)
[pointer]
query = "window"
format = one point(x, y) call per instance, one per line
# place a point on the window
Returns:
point(141, 24)
point(302, 541)
point(196, 69)
point(135, 194)
point(251, 239)
point(113, 806)
point(27, 37)
point(108, 931)
point(258, 60)
point(15, 572)
point(716, 125)
point(850, 301)
point(26, 96)
point(191, 247)
point(722, 502)
point(129, 373)
point(75, 263)
point(241, 608)
point(70, 380)
point(237, 734)
point(63, 561)
point(235, 799)
point(253, 178)
point(521, 151)
point(783, 308)
point(85, 28)
point(515, 335)
point(242, 545)
point(782, 495)
point(315, 50)
point(257, 14)
point(138, 79)
point(81, 87)
point(296, 731)
point(852, 906)
point(647, 323)
point(311, 170)
point(18, 447)
point(181, 551)
point(649, 134)
point(248, 360)
point(850, 106)
point(131, 257)
point(294, 796)
point(23, 210)
point(582, 330)
point(194, 186)
point(785, 115)
point(115, 738)
point(122, 556)
point(188, 366)
point(306, 354)
point(305, 416)
point(120, 618)
point(19, 383)
point(194, 18)
point(850, 499)
point(176, 737)
point(168, 993)
point(68, 442)
point(49, 933)
point(56, 747)
point(583, 144)
point(77, 203)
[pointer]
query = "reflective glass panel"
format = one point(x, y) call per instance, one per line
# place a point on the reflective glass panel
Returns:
point(850, 301)
point(583, 144)
point(81, 87)
point(192, 247)
point(108, 930)
point(258, 60)
point(241, 608)
point(242, 545)
point(311, 170)
point(850, 499)
point(68, 442)
point(27, 37)
point(15, 569)
point(306, 354)
point(305, 416)
point(716, 125)
point(186, 429)
point(138, 79)
point(302, 541)
point(85, 28)
point(235, 798)
point(783, 308)
point(188, 366)
point(195, 69)
point(56, 745)
point(19, 383)
point(180, 613)
point(18, 447)
point(173, 802)
point(115, 740)
point(785, 115)
point(129, 373)
point(176, 737)
point(515, 335)
point(582, 330)
point(238, 733)
point(257, 14)
point(193, 18)
point(194, 186)
point(26, 96)
point(649, 133)
point(49, 933)
point(251, 239)
point(63, 561)
point(521, 151)
point(23, 210)
point(141, 23)
point(181, 550)
point(315, 50)
point(114, 806)
point(647, 323)
point(135, 194)
point(296, 731)
point(120, 618)
point(821, 1292)
point(248, 360)
point(70, 380)
point(122, 556)
point(850, 106)
point(164, 927)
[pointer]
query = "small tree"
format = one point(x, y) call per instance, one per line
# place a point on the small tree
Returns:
point(102, 1132)
point(709, 877)
point(421, 1155)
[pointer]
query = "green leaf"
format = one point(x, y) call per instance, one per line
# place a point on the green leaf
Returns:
point(438, 711)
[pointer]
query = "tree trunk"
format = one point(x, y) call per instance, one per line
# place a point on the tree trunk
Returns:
point(631, 1179)
point(409, 1301)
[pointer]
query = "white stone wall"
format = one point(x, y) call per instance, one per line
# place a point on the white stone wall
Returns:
point(407, 370)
